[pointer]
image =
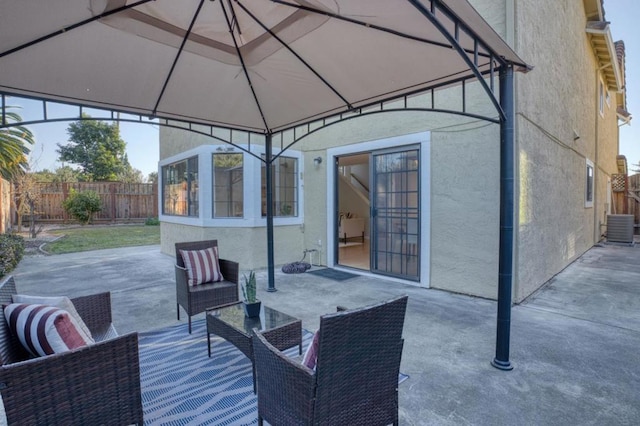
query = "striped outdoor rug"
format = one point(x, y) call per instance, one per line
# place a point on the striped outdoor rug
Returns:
point(181, 385)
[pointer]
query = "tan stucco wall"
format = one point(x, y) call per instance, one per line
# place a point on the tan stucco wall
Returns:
point(465, 210)
point(459, 237)
point(175, 141)
point(553, 226)
point(248, 246)
point(557, 98)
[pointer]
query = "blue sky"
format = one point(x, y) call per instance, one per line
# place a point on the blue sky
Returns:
point(142, 140)
point(624, 16)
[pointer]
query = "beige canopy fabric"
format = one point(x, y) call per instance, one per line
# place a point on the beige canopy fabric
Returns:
point(263, 66)
point(282, 63)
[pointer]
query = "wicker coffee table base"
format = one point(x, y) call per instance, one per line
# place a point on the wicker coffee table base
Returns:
point(282, 337)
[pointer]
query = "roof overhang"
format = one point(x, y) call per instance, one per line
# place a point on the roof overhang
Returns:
point(623, 115)
point(605, 51)
point(593, 9)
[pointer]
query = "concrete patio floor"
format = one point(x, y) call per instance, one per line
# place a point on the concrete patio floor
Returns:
point(575, 344)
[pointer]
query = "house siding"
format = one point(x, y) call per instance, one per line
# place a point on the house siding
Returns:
point(558, 97)
point(248, 246)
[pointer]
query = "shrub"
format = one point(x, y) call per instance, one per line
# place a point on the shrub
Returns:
point(11, 251)
point(82, 205)
point(152, 221)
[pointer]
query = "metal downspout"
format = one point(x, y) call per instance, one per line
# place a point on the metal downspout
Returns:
point(507, 195)
point(596, 225)
point(268, 182)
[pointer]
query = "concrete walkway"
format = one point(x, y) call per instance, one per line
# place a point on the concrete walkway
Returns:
point(575, 344)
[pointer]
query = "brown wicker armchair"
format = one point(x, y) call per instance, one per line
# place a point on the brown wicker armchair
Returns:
point(196, 299)
point(356, 376)
point(96, 384)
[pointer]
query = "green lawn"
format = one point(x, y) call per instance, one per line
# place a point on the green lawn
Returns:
point(102, 237)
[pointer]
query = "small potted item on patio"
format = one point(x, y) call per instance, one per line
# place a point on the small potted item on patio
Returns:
point(251, 304)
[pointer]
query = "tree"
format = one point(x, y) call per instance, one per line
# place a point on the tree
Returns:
point(152, 177)
point(13, 147)
point(59, 175)
point(131, 175)
point(27, 198)
point(128, 173)
point(82, 205)
point(45, 175)
point(66, 174)
point(96, 147)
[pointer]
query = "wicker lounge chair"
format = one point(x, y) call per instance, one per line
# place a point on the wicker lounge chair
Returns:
point(196, 299)
point(96, 384)
point(356, 376)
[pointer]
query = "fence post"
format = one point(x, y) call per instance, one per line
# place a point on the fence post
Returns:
point(112, 191)
point(65, 195)
point(154, 190)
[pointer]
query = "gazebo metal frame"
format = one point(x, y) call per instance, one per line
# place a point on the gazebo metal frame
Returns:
point(503, 104)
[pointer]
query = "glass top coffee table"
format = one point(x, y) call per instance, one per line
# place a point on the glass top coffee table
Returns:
point(229, 322)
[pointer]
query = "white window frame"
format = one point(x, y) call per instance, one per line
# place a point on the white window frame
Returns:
point(251, 189)
point(226, 152)
point(276, 194)
point(161, 190)
point(588, 203)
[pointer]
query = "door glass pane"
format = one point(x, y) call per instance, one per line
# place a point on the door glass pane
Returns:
point(396, 248)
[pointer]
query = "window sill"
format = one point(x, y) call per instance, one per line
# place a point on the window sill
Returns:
point(230, 222)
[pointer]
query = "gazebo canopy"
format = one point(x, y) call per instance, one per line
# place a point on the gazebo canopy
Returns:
point(262, 66)
point(258, 65)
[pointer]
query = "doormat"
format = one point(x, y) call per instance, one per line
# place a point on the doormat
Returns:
point(332, 274)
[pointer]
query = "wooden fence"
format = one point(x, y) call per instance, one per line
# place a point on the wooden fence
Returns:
point(120, 201)
point(626, 196)
point(5, 205)
point(634, 197)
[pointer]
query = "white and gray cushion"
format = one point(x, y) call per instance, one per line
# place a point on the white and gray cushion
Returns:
point(62, 302)
point(45, 330)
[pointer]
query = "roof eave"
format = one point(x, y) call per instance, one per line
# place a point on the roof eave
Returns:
point(607, 58)
point(624, 115)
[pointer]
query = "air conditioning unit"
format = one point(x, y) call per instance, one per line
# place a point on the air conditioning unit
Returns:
point(620, 228)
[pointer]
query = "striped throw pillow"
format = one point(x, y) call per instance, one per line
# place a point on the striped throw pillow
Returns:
point(62, 302)
point(202, 265)
point(45, 330)
point(310, 357)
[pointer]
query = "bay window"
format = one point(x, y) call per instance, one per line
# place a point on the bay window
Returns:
point(217, 186)
point(284, 185)
point(228, 182)
point(180, 188)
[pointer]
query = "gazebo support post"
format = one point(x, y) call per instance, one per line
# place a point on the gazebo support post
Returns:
point(268, 182)
point(507, 213)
